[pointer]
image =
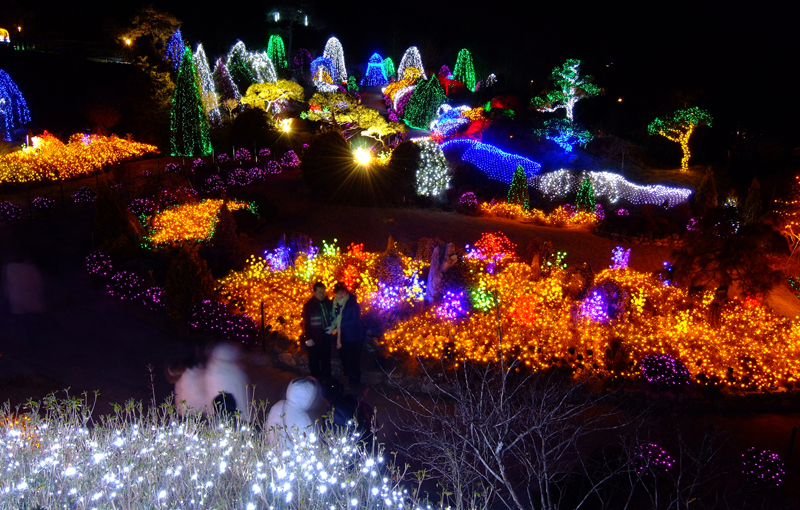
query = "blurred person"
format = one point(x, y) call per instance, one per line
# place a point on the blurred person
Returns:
point(191, 395)
point(349, 332)
point(23, 288)
point(290, 418)
point(317, 318)
point(226, 382)
point(347, 411)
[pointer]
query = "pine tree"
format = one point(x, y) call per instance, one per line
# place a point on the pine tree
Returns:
point(752, 204)
point(240, 67)
point(277, 52)
point(222, 79)
point(174, 51)
point(188, 122)
point(585, 201)
point(518, 192)
point(188, 281)
point(425, 101)
point(465, 70)
point(433, 175)
point(706, 198)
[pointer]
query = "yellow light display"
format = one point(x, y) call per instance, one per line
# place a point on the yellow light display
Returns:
point(193, 221)
point(395, 87)
point(362, 156)
point(51, 159)
point(751, 348)
point(560, 217)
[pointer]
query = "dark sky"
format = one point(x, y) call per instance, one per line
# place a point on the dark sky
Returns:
point(734, 58)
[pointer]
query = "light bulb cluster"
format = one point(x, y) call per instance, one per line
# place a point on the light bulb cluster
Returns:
point(610, 186)
point(464, 71)
point(433, 174)
point(187, 222)
point(495, 163)
point(376, 72)
point(208, 89)
point(412, 62)
point(51, 159)
point(335, 53)
point(277, 52)
point(13, 108)
point(189, 124)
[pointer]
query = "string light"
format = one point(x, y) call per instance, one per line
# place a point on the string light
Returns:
point(571, 87)
point(13, 108)
point(763, 468)
point(388, 68)
point(421, 109)
point(518, 190)
point(610, 186)
point(495, 163)
point(263, 68)
point(564, 216)
point(619, 257)
point(376, 72)
point(335, 53)
point(448, 121)
point(665, 370)
point(565, 133)
point(9, 211)
point(188, 222)
point(277, 52)
point(208, 90)
point(465, 70)
point(433, 175)
point(84, 195)
point(411, 61)
point(651, 459)
point(239, 64)
point(322, 72)
point(189, 129)
point(679, 126)
point(50, 159)
point(174, 52)
point(227, 88)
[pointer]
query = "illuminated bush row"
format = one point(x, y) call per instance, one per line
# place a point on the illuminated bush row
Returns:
point(495, 163)
point(51, 159)
point(565, 216)
point(187, 222)
point(545, 322)
point(610, 186)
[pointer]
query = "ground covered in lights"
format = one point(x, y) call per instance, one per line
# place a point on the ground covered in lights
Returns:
point(604, 324)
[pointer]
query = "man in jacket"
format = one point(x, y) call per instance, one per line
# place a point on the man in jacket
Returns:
point(317, 317)
point(350, 332)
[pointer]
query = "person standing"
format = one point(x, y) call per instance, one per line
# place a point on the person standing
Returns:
point(350, 332)
point(317, 318)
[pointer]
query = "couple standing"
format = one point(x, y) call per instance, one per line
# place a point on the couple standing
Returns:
point(338, 323)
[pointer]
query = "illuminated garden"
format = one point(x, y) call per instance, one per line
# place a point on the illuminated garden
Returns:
point(546, 278)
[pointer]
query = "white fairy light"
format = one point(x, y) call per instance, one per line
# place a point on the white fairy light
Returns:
point(207, 88)
point(334, 52)
point(411, 58)
point(433, 175)
point(263, 67)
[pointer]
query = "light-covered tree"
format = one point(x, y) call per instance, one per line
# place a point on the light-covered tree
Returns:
point(465, 69)
point(421, 109)
point(174, 51)
point(208, 89)
point(267, 96)
point(433, 175)
point(585, 201)
point(679, 126)
point(518, 191)
point(570, 87)
point(277, 52)
point(189, 129)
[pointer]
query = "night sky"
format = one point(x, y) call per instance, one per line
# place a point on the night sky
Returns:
point(733, 59)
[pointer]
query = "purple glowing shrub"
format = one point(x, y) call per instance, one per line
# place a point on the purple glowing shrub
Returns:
point(665, 371)
point(126, 286)
point(84, 195)
point(214, 183)
point(454, 305)
point(763, 468)
point(619, 257)
point(600, 212)
point(243, 154)
point(43, 203)
point(305, 147)
point(153, 299)
point(213, 317)
point(302, 58)
point(198, 164)
point(290, 160)
point(401, 105)
point(99, 266)
point(223, 158)
point(623, 212)
point(9, 211)
point(393, 116)
point(140, 206)
point(693, 224)
point(651, 459)
point(168, 198)
point(186, 190)
point(239, 177)
point(469, 200)
point(172, 168)
point(278, 259)
point(265, 152)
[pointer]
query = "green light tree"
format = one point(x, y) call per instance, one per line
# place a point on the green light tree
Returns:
point(426, 99)
point(518, 192)
point(679, 126)
point(189, 129)
point(277, 52)
point(240, 67)
point(571, 87)
point(585, 201)
point(388, 66)
point(465, 70)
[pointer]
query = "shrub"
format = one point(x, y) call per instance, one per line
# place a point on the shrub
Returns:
point(172, 168)
point(84, 195)
point(763, 468)
point(126, 286)
point(43, 203)
point(9, 211)
point(665, 371)
point(212, 317)
point(99, 266)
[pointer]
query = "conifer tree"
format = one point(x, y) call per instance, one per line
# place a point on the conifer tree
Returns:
point(174, 51)
point(585, 201)
point(465, 70)
point(222, 79)
point(189, 127)
point(421, 109)
point(518, 192)
point(433, 175)
point(240, 66)
point(277, 52)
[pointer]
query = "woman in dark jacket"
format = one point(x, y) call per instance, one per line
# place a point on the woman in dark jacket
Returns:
point(350, 332)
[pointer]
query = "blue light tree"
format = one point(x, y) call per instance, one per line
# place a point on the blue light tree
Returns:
point(13, 108)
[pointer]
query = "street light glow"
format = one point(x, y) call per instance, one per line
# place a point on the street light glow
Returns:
point(363, 156)
point(286, 125)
